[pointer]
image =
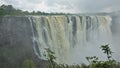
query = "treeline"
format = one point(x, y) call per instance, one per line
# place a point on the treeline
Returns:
point(10, 10)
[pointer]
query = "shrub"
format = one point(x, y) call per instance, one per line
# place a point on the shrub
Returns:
point(28, 64)
point(94, 61)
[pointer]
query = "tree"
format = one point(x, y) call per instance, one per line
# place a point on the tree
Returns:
point(8, 9)
point(1, 11)
point(106, 49)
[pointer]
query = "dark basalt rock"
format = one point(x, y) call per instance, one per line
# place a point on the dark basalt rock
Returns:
point(16, 44)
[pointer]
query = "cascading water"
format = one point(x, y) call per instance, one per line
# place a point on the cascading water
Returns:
point(72, 38)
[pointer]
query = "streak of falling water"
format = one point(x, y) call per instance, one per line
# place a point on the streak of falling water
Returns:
point(72, 38)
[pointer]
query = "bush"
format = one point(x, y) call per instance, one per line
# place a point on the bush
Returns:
point(28, 64)
point(94, 61)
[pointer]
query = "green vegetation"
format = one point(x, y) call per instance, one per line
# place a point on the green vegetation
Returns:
point(28, 64)
point(94, 61)
point(10, 10)
point(51, 58)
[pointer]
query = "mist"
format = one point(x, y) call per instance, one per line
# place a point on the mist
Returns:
point(72, 37)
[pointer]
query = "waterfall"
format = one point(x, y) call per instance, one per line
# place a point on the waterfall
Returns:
point(70, 36)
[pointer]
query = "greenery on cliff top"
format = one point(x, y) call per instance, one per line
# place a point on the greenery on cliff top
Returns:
point(10, 10)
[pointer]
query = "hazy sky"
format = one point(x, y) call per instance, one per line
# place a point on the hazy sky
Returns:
point(73, 6)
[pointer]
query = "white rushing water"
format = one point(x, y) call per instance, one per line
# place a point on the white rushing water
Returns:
point(72, 38)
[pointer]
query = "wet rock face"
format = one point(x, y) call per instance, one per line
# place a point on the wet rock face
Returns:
point(15, 30)
point(15, 41)
point(25, 38)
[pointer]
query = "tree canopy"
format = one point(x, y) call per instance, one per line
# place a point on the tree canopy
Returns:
point(10, 10)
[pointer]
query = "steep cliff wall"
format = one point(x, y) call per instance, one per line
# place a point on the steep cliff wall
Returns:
point(16, 44)
point(71, 37)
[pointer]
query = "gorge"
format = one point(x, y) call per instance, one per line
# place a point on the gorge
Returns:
point(71, 37)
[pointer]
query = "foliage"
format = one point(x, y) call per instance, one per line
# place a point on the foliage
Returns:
point(107, 51)
point(52, 64)
point(28, 64)
point(10, 10)
point(51, 58)
point(1, 11)
point(94, 61)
